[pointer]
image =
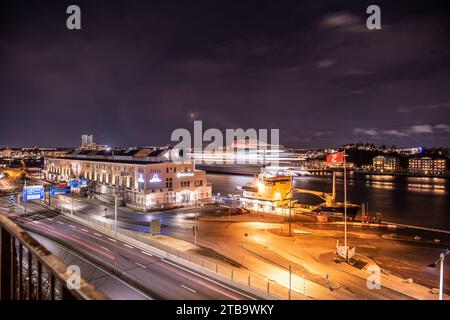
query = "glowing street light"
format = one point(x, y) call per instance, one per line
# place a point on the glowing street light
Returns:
point(441, 273)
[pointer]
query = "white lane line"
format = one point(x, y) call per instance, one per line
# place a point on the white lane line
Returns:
point(110, 239)
point(105, 248)
point(127, 245)
point(84, 230)
point(72, 226)
point(208, 279)
point(147, 253)
point(37, 222)
point(101, 269)
point(157, 255)
point(60, 222)
point(98, 235)
point(140, 265)
point(49, 219)
point(74, 235)
point(187, 288)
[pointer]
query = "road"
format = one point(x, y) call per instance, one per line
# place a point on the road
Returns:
point(162, 278)
point(312, 249)
point(103, 280)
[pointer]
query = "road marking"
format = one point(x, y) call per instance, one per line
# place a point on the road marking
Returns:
point(127, 245)
point(73, 235)
point(84, 230)
point(208, 279)
point(37, 222)
point(147, 253)
point(60, 222)
point(98, 235)
point(72, 226)
point(111, 240)
point(49, 219)
point(141, 265)
point(187, 288)
point(105, 248)
point(101, 269)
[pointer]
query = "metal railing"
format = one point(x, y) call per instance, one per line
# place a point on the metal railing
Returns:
point(28, 271)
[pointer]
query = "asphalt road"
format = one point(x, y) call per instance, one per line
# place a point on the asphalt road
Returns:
point(103, 280)
point(162, 278)
point(406, 259)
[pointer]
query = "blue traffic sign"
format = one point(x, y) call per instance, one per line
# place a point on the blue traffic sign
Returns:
point(56, 191)
point(83, 182)
point(11, 199)
point(33, 193)
point(74, 184)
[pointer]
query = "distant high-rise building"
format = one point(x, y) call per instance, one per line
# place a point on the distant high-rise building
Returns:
point(87, 140)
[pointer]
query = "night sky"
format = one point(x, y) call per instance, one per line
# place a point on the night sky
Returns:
point(140, 69)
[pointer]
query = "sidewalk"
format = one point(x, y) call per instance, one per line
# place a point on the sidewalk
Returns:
point(390, 281)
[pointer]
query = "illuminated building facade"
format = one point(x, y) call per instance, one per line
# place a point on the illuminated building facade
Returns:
point(385, 164)
point(143, 178)
point(427, 166)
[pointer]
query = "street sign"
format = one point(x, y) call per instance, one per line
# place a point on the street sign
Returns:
point(33, 193)
point(83, 182)
point(56, 191)
point(155, 227)
point(345, 252)
point(11, 199)
point(342, 251)
point(74, 184)
point(351, 252)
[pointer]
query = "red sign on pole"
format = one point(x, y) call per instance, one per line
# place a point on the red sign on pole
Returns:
point(333, 158)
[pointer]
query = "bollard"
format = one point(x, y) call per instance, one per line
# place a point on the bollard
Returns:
point(268, 286)
point(216, 267)
point(232, 274)
point(249, 280)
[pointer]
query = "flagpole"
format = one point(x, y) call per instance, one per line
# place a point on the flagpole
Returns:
point(345, 209)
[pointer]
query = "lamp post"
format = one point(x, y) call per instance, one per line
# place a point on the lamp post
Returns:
point(441, 272)
point(345, 209)
point(115, 231)
point(290, 205)
point(72, 201)
point(195, 222)
point(290, 281)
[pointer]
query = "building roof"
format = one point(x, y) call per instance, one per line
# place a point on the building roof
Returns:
point(126, 156)
point(112, 160)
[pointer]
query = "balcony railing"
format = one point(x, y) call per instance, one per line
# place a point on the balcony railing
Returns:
point(28, 271)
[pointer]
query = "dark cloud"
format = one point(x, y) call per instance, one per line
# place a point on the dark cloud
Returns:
point(139, 69)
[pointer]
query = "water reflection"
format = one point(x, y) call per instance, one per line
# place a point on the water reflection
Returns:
point(409, 200)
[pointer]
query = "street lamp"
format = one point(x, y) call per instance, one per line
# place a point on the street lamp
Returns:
point(115, 224)
point(441, 273)
point(195, 222)
point(290, 281)
point(115, 231)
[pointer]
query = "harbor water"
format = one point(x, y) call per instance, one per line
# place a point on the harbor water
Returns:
point(418, 201)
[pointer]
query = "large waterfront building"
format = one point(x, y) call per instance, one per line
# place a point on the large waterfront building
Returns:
point(385, 164)
point(143, 178)
point(427, 166)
